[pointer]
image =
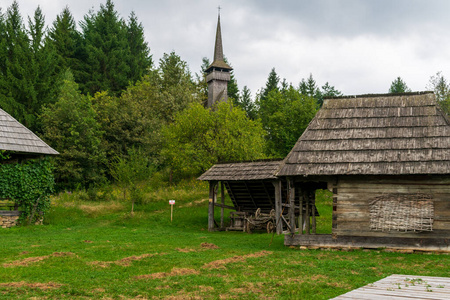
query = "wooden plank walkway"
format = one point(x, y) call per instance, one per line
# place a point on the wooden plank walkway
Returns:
point(403, 287)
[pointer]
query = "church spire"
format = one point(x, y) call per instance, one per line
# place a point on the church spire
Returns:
point(218, 73)
point(218, 50)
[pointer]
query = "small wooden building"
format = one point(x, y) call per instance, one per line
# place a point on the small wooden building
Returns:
point(250, 185)
point(21, 144)
point(386, 158)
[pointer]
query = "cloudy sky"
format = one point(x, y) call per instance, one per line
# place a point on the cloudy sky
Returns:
point(359, 46)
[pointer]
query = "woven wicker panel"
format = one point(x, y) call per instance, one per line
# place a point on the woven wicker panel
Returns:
point(402, 212)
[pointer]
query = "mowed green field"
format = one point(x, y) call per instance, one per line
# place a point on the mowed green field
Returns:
point(92, 248)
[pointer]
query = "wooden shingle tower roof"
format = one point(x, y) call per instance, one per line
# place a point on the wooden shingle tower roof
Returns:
point(218, 61)
point(16, 137)
point(389, 134)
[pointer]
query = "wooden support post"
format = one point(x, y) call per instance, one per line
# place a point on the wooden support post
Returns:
point(300, 215)
point(278, 207)
point(307, 214)
point(222, 197)
point(212, 201)
point(313, 197)
point(291, 189)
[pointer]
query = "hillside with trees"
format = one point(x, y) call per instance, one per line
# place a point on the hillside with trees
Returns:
point(91, 89)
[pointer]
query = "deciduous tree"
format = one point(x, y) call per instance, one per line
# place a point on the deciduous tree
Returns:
point(199, 138)
point(70, 126)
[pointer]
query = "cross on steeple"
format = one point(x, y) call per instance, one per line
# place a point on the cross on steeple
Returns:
point(219, 8)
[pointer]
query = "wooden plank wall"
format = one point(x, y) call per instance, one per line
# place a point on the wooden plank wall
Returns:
point(352, 196)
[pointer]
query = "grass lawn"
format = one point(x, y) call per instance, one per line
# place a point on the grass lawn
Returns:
point(95, 249)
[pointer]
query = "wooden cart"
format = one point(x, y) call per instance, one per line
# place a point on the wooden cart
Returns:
point(261, 221)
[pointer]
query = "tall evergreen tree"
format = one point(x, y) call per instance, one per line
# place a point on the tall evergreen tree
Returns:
point(309, 87)
point(17, 90)
point(200, 79)
point(43, 69)
point(398, 86)
point(327, 91)
point(246, 103)
point(272, 84)
point(105, 39)
point(67, 42)
point(140, 58)
point(116, 54)
point(232, 87)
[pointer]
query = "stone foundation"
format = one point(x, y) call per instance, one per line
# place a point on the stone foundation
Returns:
point(9, 218)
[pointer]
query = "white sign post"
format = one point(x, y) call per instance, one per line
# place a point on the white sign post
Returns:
point(171, 202)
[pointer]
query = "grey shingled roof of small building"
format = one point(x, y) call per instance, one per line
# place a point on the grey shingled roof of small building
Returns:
point(16, 137)
point(255, 170)
point(387, 134)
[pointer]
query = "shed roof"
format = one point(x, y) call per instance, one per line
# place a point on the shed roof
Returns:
point(254, 170)
point(391, 134)
point(16, 137)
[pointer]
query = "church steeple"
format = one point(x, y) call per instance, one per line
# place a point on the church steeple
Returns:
point(218, 73)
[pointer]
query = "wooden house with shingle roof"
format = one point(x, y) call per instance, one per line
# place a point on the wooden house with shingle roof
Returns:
point(20, 140)
point(386, 158)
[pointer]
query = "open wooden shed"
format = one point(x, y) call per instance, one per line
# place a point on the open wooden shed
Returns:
point(250, 185)
point(386, 158)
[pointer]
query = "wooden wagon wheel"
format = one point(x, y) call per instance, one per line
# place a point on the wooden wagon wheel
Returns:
point(270, 227)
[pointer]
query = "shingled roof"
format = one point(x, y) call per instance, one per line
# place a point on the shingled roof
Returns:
point(255, 170)
point(373, 135)
point(16, 137)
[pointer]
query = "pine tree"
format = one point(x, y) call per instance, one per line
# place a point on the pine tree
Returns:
point(246, 103)
point(106, 65)
point(309, 87)
point(67, 42)
point(17, 91)
point(232, 87)
point(328, 91)
point(398, 86)
point(42, 71)
point(271, 84)
point(140, 60)
point(200, 80)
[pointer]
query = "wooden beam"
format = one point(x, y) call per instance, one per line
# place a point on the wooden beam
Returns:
point(278, 207)
point(222, 197)
point(224, 206)
point(291, 212)
point(212, 201)
point(308, 213)
point(313, 198)
point(300, 215)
